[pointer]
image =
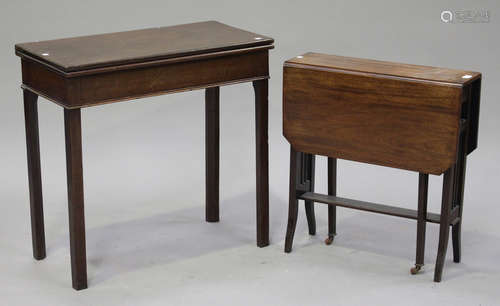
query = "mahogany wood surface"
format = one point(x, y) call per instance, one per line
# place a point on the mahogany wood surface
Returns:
point(397, 70)
point(119, 85)
point(112, 49)
point(390, 114)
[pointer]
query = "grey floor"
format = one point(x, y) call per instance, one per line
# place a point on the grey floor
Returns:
point(147, 242)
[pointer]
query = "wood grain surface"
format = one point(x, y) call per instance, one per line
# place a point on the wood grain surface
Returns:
point(87, 52)
point(358, 110)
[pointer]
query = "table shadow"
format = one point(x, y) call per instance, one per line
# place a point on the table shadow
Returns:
point(137, 244)
point(396, 237)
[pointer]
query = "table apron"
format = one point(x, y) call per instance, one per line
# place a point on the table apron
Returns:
point(115, 86)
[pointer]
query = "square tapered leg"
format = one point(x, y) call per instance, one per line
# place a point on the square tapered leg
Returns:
point(73, 131)
point(262, 162)
point(34, 174)
point(212, 154)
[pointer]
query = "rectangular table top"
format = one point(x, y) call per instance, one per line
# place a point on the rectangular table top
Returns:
point(391, 69)
point(112, 49)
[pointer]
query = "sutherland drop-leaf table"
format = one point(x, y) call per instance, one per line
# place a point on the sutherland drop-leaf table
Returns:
point(411, 117)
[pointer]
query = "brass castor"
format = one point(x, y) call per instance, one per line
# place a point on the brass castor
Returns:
point(329, 240)
point(416, 269)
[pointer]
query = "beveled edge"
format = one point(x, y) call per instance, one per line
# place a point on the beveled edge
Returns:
point(263, 41)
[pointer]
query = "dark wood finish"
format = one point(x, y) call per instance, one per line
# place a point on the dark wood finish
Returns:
point(458, 198)
point(456, 229)
point(98, 69)
point(115, 49)
point(310, 167)
point(73, 132)
point(34, 174)
point(410, 117)
point(470, 112)
point(45, 82)
point(444, 228)
point(115, 86)
point(374, 207)
point(292, 201)
point(473, 116)
point(262, 160)
point(332, 191)
point(423, 187)
point(212, 154)
point(388, 69)
point(404, 119)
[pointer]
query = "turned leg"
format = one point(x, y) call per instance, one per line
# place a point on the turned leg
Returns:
point(444, 227)
point(293, 202)
point(73, 132)
point(212, 154)
point(423, 184)
point(332, 209)
point(262, 163)
point(309, 164)
point(34, 174)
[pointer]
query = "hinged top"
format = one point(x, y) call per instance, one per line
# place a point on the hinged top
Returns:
point(96, 51)
point(389, 69)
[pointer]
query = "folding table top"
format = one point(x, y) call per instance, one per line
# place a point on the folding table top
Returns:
point(112, 49)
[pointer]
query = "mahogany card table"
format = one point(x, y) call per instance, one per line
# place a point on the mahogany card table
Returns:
point(93, 70)
point(417, 118)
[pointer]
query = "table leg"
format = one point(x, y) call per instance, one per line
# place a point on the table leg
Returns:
point(212, 154)
point(262, 163)
point(293, 202)
point(34, 174)
point(310, 164)
point(332, 209)
point(444, 227)
point(458, 197)
point(456, 229)
point(73, 132)
point(423, 186)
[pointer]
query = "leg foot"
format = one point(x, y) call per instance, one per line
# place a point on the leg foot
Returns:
point(416, 269)
point(329, 239)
